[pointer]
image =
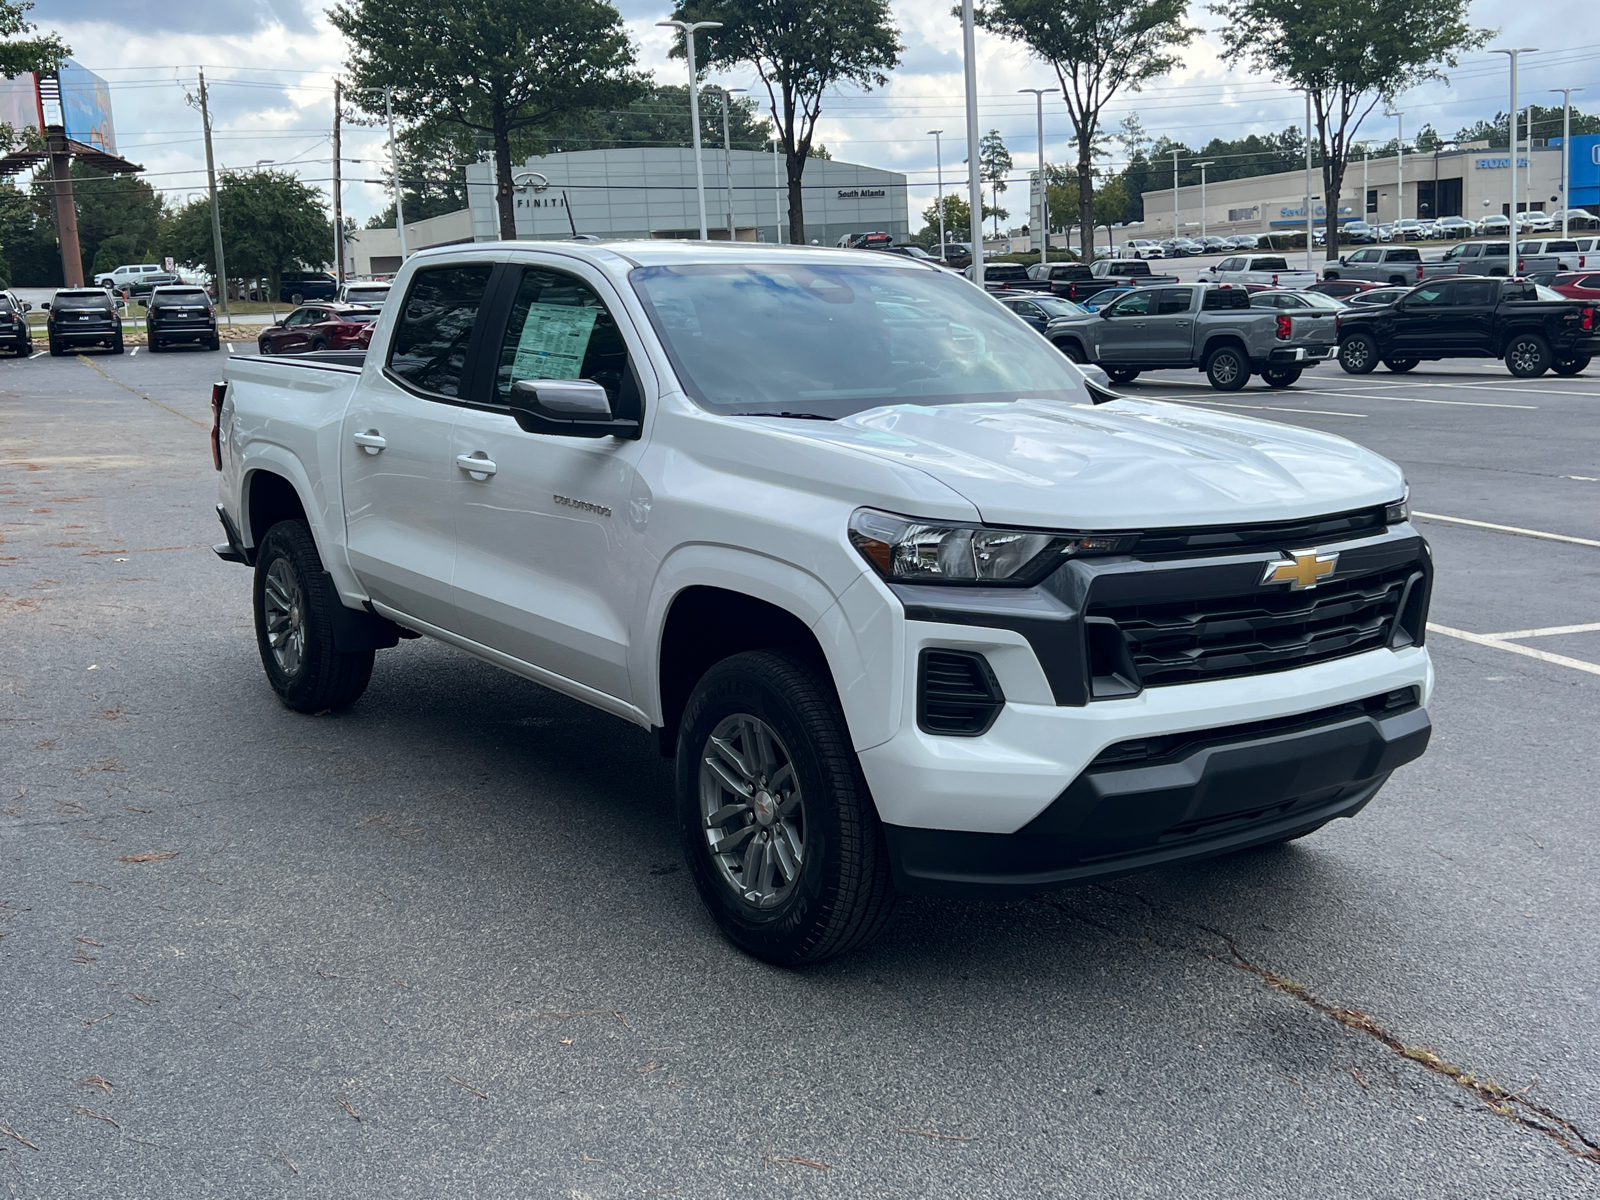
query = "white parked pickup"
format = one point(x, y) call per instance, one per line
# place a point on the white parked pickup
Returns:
point(1269, 269)
point(910, 611)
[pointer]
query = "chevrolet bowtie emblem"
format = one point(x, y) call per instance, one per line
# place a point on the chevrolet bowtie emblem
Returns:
point(1302, 570)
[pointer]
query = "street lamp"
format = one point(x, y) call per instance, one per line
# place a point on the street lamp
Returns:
point(974, 170)
point(777, 186)
point(727, 152)
point(1512, 53)
point(1400, 164)
point(689, 29)
point(1566, 152)
point(1203, 166)
point(938, 167)
point(1044, 188)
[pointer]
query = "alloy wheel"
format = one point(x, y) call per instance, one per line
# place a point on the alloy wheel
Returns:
point(752, 811)
point(284, 607)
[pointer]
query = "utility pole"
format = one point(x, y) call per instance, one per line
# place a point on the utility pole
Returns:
point(1044, 187)
point(216, 210)
point(66, 208)
point(394, 165)
point(1174, 193)
point(1400, 163)
point(338, 194)
point(938, 170)
point(777, 188)
point(727, 153)
point(1566, 152)
point(974, 168)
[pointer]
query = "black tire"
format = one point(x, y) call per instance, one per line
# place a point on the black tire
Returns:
point(841, 895)
point(297, 298)
point(1571, 366)
point(55, 349)
point(1528, 355)
point(215, 343)
point(318, 344)
point(116, 346)
point(1227, 368)
point(1358, 354)
point(263, 346)
point(1330, 275)
point(1397, 281)
point(155, 346)
point(1281, 377)
point(1073, 351)
point(305, 670)
point(1400, 365)
point(1122, 374)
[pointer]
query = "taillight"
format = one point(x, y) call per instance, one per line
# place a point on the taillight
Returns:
point(1275, 284)
point(1419, 272)
point(1587, 323)
point(1284, 328)
point(219, 392)
point(1520, 266)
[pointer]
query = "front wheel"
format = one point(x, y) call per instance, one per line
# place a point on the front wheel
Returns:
point(1228, 369)
point(1401, 365)
point(297, 298)
point(1073, 351)
point(294, 625)
point(1571, 366)
point(779, 829)
point(1358, 354)
point(1122, 374)
point(1528, 356)
point(1330, 276)
point(1281, 377)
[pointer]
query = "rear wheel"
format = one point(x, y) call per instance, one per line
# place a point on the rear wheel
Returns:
point(55, 349)
point(155, 346)
point(1571, 366)
point(1227, 368)
point(318, 344)
point(1358, 354)
point(1281, 377)
point(294, 625)
point(297, 298)
point(1122, 374)
point(1528, 356)
point(1401, 365)
point(116, 346)
point(1397, 280)
point(215, 343)
point(1330, 275)
point(780, 831)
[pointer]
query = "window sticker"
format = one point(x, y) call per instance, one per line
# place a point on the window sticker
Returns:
point(554, 341)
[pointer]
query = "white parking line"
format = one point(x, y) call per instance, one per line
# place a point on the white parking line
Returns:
point(1420, 399)
point(1536, 533)
point(36, 354)
point(1480, 639)
point(1321, 412)
point(230, 347)
point(134, 352)
point(1551, 631)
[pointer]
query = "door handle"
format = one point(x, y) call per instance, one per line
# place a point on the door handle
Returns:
point(477, 464)
point(370, 441)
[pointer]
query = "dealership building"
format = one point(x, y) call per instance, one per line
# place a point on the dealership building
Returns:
point(650, 193)
point(1469, 181)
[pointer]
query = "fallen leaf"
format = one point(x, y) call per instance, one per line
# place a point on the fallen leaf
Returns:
point(12, 1133)
point(95, 1081)
point(80, 1110)
point(345, 1104)
point(146, 858)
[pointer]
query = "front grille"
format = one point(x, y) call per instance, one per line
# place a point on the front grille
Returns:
point(957, 693)
point(1187, 641)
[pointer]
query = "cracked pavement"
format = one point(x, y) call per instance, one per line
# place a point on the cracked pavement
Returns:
point(442, 944)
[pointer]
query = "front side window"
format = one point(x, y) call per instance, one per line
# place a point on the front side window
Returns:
point(561, 329)
point(1134, 304)
point(429, 346)
point(1433, 295)
point(1229, 264)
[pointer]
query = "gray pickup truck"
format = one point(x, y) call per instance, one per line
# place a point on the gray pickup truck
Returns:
point(1494, 258)
point(1211, 327)
point(1403, 265)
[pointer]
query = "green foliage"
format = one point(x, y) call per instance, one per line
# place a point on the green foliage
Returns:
point(799, 49)
point(271, 223)
point(994, 160)
point(1348, 55)
point(1546, 124)
point(19, 54)
point(1098, 48)
point(119, 216)
point(492, 67)
point(661, 118)
point(28, 239)
point(957, 221)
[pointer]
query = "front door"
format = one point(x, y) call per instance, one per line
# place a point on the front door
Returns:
point(395, 447)
point(550, 529)
point(1420, 325)
point(1119, 335)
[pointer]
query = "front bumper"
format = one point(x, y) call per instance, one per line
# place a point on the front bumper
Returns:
point(1224, 791)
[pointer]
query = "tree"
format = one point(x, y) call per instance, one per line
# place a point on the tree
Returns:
point(957, 221)
point(994, 161)
point(1097, 49)
point(120, 217)
point(799, 49)
point(22, 54)
point(1546, 124)
point(496, 67)
point(1347, 55)
point(29, 241)
point(271, 222)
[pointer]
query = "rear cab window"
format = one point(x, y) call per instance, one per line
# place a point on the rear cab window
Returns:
point(1406, 255)
point(1268, 264)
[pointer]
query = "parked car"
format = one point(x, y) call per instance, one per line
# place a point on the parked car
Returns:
point(1038, 311)
point(1100, 299)
point(999, 277)
point(1577, 218)
point(1293, 301)
point(1385, 232)
point(1342, 289)
point(181, 313)
point(1492, 258)
point(1534, 222)
point(1081, 282)
point(124, 277)
point(1577, 285)
point(834, 540)
point(14, 332)
point(1145, 248)
point(1563, 250)
point(1241, 241)
point(1213, 329)
point(1389, 264)
point(1272, 270)
point(1452, 227)
point(83, 317)
point(956, 255)
point(374, 293)
point(1172, 248)
point(1494, 225)
point(1532, 329)
point(1358, 233)
point(1588, 252)
point(316, 327)
point(1190, 246)
point(296, 287)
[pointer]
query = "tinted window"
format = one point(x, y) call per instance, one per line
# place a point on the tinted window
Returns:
point(1230, 264)
point(1175, 300)
point(1221, 299)
point(560, 329)
point(1059, 308)
point(1430, 295)
point(429, 347)
point(1269, 264)
point(1134, 304)
point(1471, 292)
point(1589, 281)
point(1521, 291)
point(187, 296)
point(1408, 255)
point(95, 299)
point(5, 304)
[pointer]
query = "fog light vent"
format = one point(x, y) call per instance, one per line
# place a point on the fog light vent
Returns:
point(957, 693)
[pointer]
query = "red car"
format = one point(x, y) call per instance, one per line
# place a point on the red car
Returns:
point(320, 327)
point(1578, 285)
point(1342, 289)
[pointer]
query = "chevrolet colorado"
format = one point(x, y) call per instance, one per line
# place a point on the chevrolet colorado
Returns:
point(910, 612)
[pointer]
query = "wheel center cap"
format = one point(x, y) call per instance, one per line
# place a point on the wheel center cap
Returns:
point(766, 808)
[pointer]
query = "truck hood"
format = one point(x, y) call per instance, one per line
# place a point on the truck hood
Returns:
point(1123, 465)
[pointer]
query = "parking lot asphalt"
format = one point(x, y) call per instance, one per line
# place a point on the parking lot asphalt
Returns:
point(442, 945)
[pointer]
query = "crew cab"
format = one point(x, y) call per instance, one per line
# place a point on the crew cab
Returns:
point(1006, 276)
point(1197, 325)
point(1269, 270)
point(1491, 258)
point(908, 611)
point(1531, 328)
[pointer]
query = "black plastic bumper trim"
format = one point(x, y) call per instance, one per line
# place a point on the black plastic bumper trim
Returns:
point(233, 550)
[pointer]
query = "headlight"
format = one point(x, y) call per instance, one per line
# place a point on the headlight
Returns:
point(904, 550)
point(1399, 512)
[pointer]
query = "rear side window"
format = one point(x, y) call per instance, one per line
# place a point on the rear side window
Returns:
point(1222, 299)
point(1469, 293)
point(1175, 300)
point(1519, 291)
point(429, 349)
point(1406, 255)
point(1268, 264)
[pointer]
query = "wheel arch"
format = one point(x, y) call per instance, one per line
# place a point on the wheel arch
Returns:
point(1218, 340)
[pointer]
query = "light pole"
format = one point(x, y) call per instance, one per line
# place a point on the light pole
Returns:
point(1566, 151)
point(777, 188)
point(938, 170)
point(1400, 164)
point(1174, 193)
point(688, 30)
point(1044, 187)
point(1203, 166)
point(1512, 53)
point(1366, 163)
point(1329, 223)
point(974, 168)
point(727, 152)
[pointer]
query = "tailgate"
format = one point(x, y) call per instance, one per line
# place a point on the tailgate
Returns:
point(1314, 328)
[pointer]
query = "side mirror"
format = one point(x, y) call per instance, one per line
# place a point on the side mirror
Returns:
point(1341, 260)
point(144, 304)
point(567, 408)
point(45, 307)
point(26, 307)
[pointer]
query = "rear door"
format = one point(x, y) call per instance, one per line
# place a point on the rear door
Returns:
point(1467, 325)
point(394, 448)
point(1169, 330)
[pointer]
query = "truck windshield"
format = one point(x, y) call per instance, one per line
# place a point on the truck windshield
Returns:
point(830, 341)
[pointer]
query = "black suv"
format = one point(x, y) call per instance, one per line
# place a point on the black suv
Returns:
point(83, 317)
point(296, 287)
point(14, 331)
point(181, 314)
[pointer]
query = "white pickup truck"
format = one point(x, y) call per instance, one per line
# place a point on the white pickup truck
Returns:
point(1269, 269)
point(910, 611)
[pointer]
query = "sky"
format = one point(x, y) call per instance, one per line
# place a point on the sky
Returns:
point(270, 66)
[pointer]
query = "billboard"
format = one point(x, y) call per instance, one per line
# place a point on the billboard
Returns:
point(86, 108)
point(19, 102)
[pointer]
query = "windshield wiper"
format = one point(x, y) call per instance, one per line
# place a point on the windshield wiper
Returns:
point(794, 416)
